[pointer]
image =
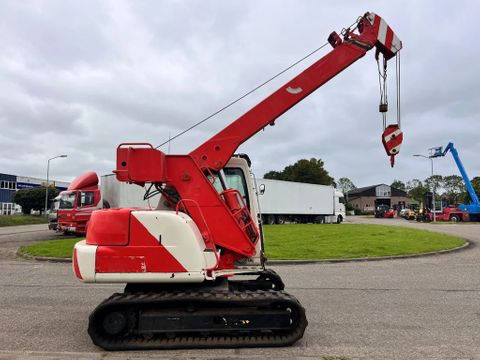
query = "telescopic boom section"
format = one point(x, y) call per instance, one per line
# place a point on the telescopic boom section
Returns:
point(372, 32)
point(468, 184)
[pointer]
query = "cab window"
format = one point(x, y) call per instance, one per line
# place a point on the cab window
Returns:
point(235, 180)
point(86, 198)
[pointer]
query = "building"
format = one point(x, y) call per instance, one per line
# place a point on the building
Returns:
point(9, 184)
point(369, 197)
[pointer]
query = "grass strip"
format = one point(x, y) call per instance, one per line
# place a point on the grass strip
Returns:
point(61, 248)
point(13, 220)
point(313, 242)
point(343, 241)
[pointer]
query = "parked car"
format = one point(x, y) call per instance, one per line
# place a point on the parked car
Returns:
point(384, 211)
point(403, 213)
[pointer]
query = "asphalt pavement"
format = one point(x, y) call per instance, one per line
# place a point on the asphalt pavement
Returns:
point(415, 308)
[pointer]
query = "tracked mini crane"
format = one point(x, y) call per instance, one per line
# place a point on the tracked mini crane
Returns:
point(195, 267)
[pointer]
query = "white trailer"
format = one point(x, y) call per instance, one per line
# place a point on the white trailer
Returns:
point(287, 201)
point(279, 201)
point(116, 194)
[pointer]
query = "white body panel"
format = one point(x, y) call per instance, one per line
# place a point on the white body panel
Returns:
point(121, 195)
point(179, 236)
point(294, 198)
point(86, 260)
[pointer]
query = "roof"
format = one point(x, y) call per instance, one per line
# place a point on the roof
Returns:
point(370, 191)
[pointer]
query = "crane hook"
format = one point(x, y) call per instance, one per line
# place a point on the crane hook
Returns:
point(392, 138)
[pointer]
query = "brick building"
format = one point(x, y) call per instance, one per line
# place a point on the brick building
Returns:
point(369, 197)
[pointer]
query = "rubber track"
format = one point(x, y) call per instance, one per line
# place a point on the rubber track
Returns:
point(243, 298)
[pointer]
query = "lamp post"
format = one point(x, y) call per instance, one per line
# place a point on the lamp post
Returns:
point(48, 173)
point(433, 192)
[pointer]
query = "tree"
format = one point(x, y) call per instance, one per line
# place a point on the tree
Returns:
point(345, 185)
point(434, 183)
point(398, 184)
point(306, 171)
point(33, 199)
point(454, 186)
point(465, 197)
point(416, 189)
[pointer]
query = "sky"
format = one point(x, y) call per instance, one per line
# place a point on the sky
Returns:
point(81, 77)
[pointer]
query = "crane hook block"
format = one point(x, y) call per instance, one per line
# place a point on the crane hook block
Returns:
point(392, 138)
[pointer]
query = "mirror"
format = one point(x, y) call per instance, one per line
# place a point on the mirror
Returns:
point(262, 188)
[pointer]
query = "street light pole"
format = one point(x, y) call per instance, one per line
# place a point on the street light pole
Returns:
point(48, 173)
point(433, 192)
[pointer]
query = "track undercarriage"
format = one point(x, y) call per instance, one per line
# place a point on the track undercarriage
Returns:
point(229, 314)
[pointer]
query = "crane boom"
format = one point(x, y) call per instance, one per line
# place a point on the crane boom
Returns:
point(373, 32)
point(190, 174)
point(468, 184)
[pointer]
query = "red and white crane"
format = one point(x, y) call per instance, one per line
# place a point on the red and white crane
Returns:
point(184, 262)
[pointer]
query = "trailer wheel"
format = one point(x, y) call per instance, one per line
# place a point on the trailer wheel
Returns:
point(319, 219)
point(339, 219)
point(454, 218)
point(269, 219)
point(280, 219)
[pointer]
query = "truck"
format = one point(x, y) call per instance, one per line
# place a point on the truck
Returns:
point(195, 267)
point(285, 201)
point(288, 201)
point(472, 209)
point(87, 194)
point(447, 213)
point(53, 214)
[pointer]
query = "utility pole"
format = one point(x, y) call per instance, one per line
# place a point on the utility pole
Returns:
point(48, 173)
point(433, 192)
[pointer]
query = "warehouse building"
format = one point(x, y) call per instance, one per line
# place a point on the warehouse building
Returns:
point(369, 197)
point(9, 184)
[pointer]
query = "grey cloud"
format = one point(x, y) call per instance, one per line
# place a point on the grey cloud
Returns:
point(81, 77)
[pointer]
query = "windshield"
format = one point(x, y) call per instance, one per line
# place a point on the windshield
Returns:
point(235, 180)
point(55, 205)
point(67, 200)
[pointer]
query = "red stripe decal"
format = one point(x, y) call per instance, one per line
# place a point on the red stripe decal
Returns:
point(75, 265)
point(143, 254)
point(389, 38)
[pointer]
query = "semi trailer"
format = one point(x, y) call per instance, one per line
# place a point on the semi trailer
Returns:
point(287, 201)
point(279, 201)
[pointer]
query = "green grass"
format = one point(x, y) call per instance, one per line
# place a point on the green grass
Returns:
point(331, 241)
point(12, 220)
point(61, 248)
point(304, 242)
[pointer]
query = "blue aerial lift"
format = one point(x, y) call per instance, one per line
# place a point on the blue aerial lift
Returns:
point(473, 208)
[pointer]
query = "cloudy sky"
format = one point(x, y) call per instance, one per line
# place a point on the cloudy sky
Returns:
point(80, 77)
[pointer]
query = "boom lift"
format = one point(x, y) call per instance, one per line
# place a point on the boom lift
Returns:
point(183, 262)
point(473, 209)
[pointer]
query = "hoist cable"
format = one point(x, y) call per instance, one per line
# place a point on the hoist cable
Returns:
point(397, 63)
point(382, 83)
point(243, 96)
